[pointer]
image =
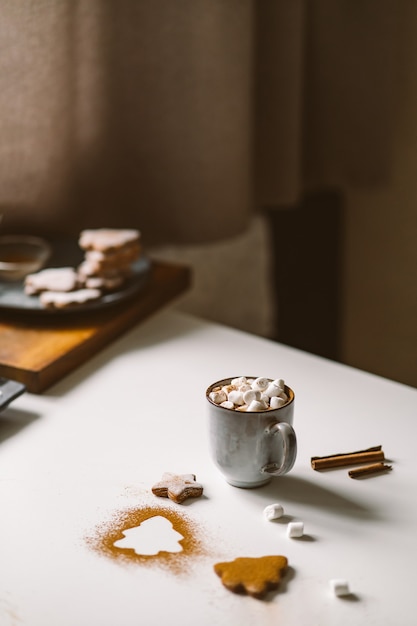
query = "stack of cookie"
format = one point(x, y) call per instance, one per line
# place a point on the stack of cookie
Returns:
point(108, 257)
point(107, 265)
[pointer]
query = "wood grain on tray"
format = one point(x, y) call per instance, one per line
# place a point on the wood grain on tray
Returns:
point(38, 351)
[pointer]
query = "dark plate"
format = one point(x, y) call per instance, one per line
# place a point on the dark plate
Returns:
point(67, 254)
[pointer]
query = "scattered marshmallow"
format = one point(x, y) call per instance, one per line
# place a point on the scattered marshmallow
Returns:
point(295, 529)
point(273, 511)
point(340, 587)
point(251, 394)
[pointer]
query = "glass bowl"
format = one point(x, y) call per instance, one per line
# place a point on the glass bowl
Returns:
point(21, 255)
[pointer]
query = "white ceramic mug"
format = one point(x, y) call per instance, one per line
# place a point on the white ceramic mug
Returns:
point(252, 446)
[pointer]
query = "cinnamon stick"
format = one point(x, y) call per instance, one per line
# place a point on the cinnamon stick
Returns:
point(374, 468)
point(348, 458)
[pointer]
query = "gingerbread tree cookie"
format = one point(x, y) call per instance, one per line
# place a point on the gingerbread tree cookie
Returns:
point(254, 576)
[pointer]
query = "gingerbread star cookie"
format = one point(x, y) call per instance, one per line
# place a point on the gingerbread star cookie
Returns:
point(178, 487)
point(254, 576)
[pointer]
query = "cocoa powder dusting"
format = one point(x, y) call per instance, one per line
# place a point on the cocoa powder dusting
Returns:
point(105, 535)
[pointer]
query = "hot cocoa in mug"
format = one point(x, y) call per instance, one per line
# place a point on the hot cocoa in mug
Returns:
point(251, 433)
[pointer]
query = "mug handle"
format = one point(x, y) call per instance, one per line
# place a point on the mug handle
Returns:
point(289, 441)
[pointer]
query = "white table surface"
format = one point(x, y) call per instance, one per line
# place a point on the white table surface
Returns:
point(94, 445)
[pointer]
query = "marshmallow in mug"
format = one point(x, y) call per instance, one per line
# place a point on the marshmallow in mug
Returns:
point(250, 394)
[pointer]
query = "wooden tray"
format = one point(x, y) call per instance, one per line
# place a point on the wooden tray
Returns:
point(40, 350)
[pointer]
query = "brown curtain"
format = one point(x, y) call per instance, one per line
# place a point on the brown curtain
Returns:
point(183, 117)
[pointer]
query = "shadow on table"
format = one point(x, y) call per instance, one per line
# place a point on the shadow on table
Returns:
point(12, 421)
point(296, 489)
point(125, 343)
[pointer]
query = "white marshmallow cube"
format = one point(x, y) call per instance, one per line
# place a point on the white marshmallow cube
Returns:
point(340, 587)
point(256, 405)
point(273, 390)
point(260, 383)
point(295, 529)
point(251, 395)
point(275, 402)
point(218, 396)
point(236, 397)
point(273, 511)
point(227, 404)
point(238, 382)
